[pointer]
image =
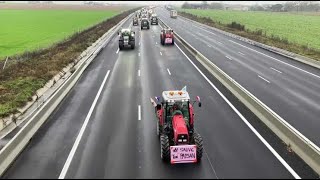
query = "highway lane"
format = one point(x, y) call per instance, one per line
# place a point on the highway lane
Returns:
point(289, 88)
point(120, 141)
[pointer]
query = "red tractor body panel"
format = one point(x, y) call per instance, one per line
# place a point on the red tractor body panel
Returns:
point(179, 126)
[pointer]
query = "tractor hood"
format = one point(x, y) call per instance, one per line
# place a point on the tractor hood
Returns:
point(179, 126)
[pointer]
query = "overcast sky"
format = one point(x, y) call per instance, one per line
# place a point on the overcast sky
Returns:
point(169, 2)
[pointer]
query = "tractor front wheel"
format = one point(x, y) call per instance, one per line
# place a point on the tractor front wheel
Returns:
point(165, 148)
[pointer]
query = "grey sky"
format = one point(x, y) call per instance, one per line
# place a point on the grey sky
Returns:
point(168, 2)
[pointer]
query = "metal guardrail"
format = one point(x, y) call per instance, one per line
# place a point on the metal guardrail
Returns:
point(301, 145)
point(291, 55)
point(16, 145)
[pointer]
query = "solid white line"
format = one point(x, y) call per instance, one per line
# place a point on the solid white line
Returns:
point(76, 143)
point(161, 53)
point(118, 51)
point(229, 57)
point(241, 53)
point(169, 71)
point(276, 70)
point(264, 79)
point(277, 60)
point(139, 73)
point(284, 163)
point(139, 113)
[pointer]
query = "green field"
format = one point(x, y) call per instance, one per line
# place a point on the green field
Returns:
point(300, 29)
point(23, 30)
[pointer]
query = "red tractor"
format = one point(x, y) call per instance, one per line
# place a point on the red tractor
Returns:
point(175, 127)
point(166, 36)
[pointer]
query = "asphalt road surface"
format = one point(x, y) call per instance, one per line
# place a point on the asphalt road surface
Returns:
point(288, 87)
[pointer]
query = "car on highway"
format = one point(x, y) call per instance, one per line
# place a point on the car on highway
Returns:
point(166, 36)
point(173, 14)
point(175, 127)
point(126, 38)
point(154, 19)
point(145, 23)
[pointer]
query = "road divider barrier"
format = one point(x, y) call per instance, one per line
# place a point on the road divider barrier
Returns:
point(301, 145)
point(15, 146)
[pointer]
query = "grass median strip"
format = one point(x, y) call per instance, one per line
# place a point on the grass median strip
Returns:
point(29, 72)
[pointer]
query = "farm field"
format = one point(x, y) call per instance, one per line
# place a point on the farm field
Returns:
point(26, 28)
point(301, 29)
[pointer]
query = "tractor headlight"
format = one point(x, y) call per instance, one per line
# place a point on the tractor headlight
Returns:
point(179, 140)
point(185, 140)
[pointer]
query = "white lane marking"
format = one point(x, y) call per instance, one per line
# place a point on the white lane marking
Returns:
point(204, 29)
point(283, 162)
point(209, 45)
point(229, 57)
point(169, 71)
point(219, 42)
point(241, 53)
point(139, 112)
point(264, 79)
point(138, 54)
point(161, 53)
point(139, 72)
point(139, 43)
point(276, 70)
point(277, 60)
point(77, 142)
point(117, 51)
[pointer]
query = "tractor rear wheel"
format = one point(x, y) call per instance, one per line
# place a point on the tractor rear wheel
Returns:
point(197, 139)
point(165, 147)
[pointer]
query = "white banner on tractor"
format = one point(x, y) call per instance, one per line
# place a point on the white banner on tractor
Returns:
point(168, 40)
point(183, 154)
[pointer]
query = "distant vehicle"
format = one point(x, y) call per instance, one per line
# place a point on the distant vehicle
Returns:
point(126, 38)
point(166, 36)
point(145, 23)
point(173, 14)
point(154, 19)
point(135, 21)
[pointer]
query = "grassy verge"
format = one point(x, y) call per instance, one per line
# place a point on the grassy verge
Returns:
point(29, 72)
point(257, 35)
point(28, 30)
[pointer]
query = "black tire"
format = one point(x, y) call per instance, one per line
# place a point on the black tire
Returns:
point(197, 139)
point(165, 148)
point(148, 27)
point(172, 42)
point(132, 46)
point(120, 47)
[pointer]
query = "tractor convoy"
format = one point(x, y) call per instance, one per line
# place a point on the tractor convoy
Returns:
point(174, 111)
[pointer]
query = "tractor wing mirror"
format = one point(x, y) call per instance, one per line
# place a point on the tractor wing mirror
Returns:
point(198, 100)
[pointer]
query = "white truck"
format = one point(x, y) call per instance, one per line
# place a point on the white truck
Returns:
point(173, 14)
